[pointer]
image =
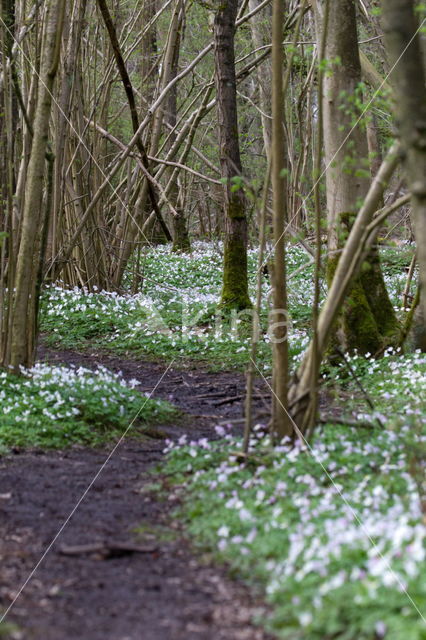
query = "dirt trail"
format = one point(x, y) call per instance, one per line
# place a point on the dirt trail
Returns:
point(191, 387)
point(164, 593)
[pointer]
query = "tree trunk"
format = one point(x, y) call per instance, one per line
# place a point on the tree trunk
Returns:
point(67, 81)
point(33, 222)
point(149, 55)
point(408, 79)
point(235, 284)
point(261, 36)
point(347, 269)
point(368, 317)
point(181, 240)
point(281, 423)
point(7, 177)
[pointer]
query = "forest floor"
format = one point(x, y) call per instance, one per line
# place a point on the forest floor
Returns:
point(332, 534)
point(162, 591)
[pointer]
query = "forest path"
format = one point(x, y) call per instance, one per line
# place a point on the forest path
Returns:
point(164, 592)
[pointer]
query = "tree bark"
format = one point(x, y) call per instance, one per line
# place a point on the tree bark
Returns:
point(368, 319)
point(408, 77)
point(261, 36)
point(235, 284)
point(181, 240)
point(24, 306)
point(281, 423)
point(7, 176)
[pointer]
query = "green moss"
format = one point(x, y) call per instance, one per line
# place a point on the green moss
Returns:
point(236, 209)
point(358, 322)
point(235, 281)
point(356, 327)
point(332, 262)
point(368, 322)
point(375, 291)
point(235, 284)
point(181, 242)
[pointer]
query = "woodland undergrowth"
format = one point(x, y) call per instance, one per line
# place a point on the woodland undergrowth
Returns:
point(333, 533)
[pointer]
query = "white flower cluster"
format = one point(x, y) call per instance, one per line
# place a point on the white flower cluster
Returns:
point(60, 302)
point(58, 389)
point(342, 532)
point(178, 304)
point(395, 381)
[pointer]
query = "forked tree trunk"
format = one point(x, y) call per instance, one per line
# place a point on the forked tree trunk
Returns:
point(235, 285)
point(347, 269)
point(33, 217)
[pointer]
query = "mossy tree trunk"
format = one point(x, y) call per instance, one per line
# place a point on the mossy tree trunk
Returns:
point(347, 268)
point(371, 276)
point(181, 241)
point(235, 283)
point(377, 297)
point(367, 321)
point(414, 330)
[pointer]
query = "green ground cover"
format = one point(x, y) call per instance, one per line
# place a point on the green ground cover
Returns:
point(176, 315)
point(335, 532)
point(52, 406)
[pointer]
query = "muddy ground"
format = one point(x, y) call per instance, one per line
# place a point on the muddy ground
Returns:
point(163, 590)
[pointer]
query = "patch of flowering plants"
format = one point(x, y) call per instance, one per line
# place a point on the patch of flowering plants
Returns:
point(54, 406)
point(175, 312)
point(335, 534)
point(395, 385)
point(335, 531)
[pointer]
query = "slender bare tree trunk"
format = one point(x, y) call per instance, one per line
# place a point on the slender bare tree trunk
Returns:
point(181, 240)
point(33, 222)
point(149, 54)
point(7, 138)
point(261, 36)
point(125, 78)
point(67, 83)
point(281, 424)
